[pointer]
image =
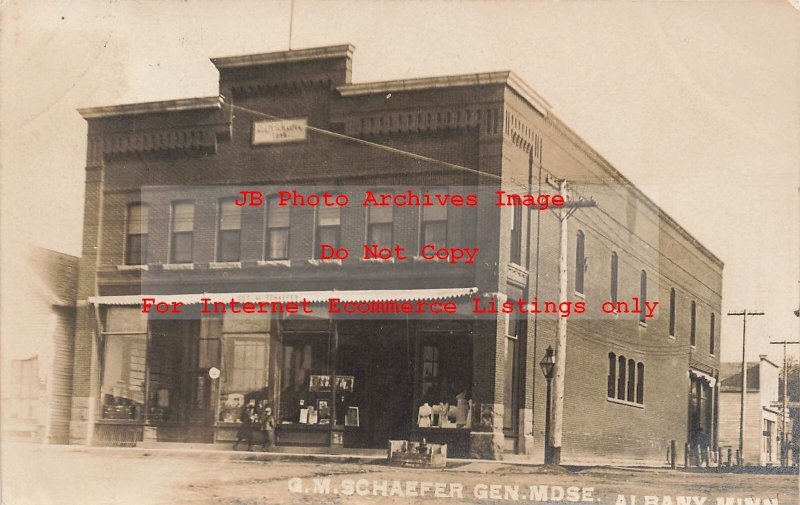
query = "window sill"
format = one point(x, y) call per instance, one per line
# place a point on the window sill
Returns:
point(625, 402)
point(643, 324)
point(132, 268)
point(317, 262)
point(219, 265)
point(580, 295)
point(377, 260)
point(672, 337)
point(274, 263)
point(178, 266)
point(429, 260)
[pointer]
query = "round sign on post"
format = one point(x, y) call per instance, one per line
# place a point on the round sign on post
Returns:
point(213, 372)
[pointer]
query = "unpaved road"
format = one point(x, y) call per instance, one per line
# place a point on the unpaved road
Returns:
point(33, 474)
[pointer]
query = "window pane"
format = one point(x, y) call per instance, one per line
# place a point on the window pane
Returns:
point(182, 247)
point(435, 232)
point(381, 214)
point(328, 216)
point(278, 247)
point(122, 388)
point(612, 374)
point(125, 320)
point(229, 245)
point(137, 218)
point(277, 216)
point(328, 235)
point(631, 379)
point(643, 293)
point(579, 263)
point(183, 217)
point(230, 216)
point(434, 213)
point(672, 312)
point(614, 276)
point(640, 383)
point(136, 249)
point(380, 234)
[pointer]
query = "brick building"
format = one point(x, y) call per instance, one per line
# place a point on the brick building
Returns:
point(160, 221)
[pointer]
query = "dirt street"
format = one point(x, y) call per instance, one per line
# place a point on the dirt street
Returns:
point(34, 474)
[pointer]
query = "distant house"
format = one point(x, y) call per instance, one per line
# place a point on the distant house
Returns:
point(38, 333)
point(761, 421)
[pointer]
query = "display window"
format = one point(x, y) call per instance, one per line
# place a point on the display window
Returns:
point(244, 393)
point(124, 348)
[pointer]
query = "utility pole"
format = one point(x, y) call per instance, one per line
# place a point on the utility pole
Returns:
point(564, 213)
point(744, 314)
point(784, 405)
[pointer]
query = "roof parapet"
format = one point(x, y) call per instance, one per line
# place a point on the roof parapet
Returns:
point(505, 77)
point(183, 104)
point(314, 53)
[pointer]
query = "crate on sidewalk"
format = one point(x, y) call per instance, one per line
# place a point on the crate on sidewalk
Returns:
point(417, 454)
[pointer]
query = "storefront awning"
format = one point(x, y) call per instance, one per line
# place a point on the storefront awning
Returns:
point(375, 295)
point(701, 375)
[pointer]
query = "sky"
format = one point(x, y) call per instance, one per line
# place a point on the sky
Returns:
point(695, 102)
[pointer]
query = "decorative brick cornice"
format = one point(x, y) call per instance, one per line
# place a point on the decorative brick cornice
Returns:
point(256, 87)
point(200, 139)
point(485, 119)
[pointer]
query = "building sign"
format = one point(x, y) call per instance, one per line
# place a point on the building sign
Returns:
point(278, 132)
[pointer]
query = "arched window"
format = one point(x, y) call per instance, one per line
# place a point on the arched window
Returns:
point(640, 383)
point(693, 327)
point(612, 374)
point(621, 378)
point(580, 262)
point(672, 312)
point(614, 276)
point(631, 379)
point(712, 335)
point(643, 294)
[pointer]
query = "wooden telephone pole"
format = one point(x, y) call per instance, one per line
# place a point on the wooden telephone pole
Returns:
point(784, 404)
point(744, 314)
point(564, 213)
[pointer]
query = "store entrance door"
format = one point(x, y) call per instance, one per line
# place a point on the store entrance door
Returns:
point(200, 413)
point(377, 354)
point(201, 389)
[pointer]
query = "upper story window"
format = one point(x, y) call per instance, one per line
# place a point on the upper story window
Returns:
point(136, 228)
point(182, 232)
point(672, 312)
point(379, 225)
point(625, 379)
point(643, 295)
point(614, 277)
point(329, 223)
point(433, 229)
point(276, 245)
point(229, 231)
point(693, 325)
point(580, 262)
point(516, 235)
point(712, 336)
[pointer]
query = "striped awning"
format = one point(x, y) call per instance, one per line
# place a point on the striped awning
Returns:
point(375, 295)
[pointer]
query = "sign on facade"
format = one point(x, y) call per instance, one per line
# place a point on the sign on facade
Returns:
point(279, 131)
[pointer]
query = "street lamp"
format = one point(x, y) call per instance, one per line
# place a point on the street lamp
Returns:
point(547, 364)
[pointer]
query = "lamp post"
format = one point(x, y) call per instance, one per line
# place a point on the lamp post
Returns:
point(547, 364)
